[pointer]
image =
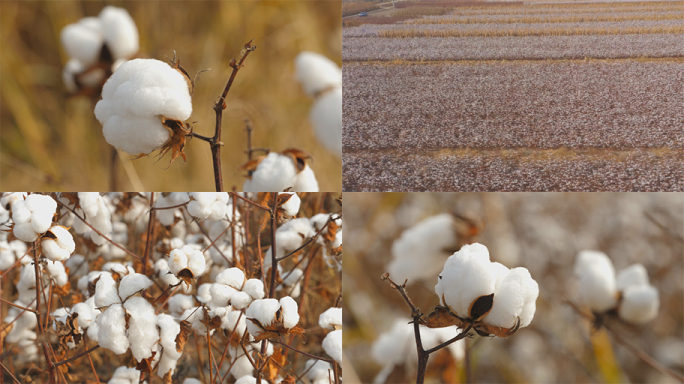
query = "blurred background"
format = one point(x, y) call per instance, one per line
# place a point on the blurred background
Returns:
point(542, 232)
point(50, 141)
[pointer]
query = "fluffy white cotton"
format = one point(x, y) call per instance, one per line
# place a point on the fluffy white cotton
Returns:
point(187, 257)
point(169, 329)
point(106, 292)
point(305, 181)
point(331, 318)
point(125, 375)
point(130, 284)
point(515, 296)
point(240, 300)
point(290, 312)
point(112, 329)
point(83, 40)
point(191, 380)
point(235, 320)
point(142, 327)
point(639, 304)
point(179, 303)
point(277, 172)
point(97, 214)
point(133, 101)
point(597, 286)
point(332, 344)
point(633, 275)
point(264, 312)
point(221, 294)
point(291, 206)
point(255, 288)
point(208, 205)
point(9, 252)
point(316, 72)
point(119, 32)
point(318, 371)
point(86, 314)
point(33, 216)
point(326, 119)
point(72, 68)
point(59, 244)
point(467, 275)
point(55, 270)
point(233, 277)
point(168, 216)
point(419, 253)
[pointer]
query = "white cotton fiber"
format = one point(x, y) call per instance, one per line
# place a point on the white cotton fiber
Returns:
point(233, 277)
point(326, 119)
point(332, 344)
point(255, 288)
point(106, 293)
point(316, 72)
point(291, 278)
point(305, 181)
point(510, 297)
point(291, 206)
point(86, 314)
point(633, 275)
point(97, 214)
point(331, 318)
point(33, 216)
point(274, 173)
point(221, 294)
point(112, 329)
point(240, 300)
point(231, 322)
point(263, 311)
point(208, 205)
point(169, 329)
point(133, 101)
point(119, 32)
point(467, 275)
point(596, 274)
point(419, 253)
point(179, 303)
point(125, 375)
point(56, 272)
point(83, 40)
point(318, 371)
point(639, 304)
point(61, 247)
point(142, 330)
point(133, 283)
point(290, 312)
point(242, 367)
point(187, 257)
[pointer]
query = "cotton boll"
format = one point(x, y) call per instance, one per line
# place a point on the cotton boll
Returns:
point(290, 312)
point(509, 298)
point(331, 318)
point(200, 206)
point(639, 304)
point(56, 272)
point(248, 379)
point(97, 214)
point(86, 314)
point(133, 283)
point(291, 278)
point(33, 216)
point(255, 288)
point(274, 173)
point(77, 265)
point(142, 330)
point(179, 303)
point(204, 293)
point(190, 380)
point(119, 32)
point(125, 375)
point(134, 98)
point(291, 206)
point(112, 329)
point(316, 72)
point(332, 344)
point(263, 311)
point(235, 320)
point(306, 180)
point(596, 274)
point(467, 275)
point(240, 300)
point(221, 294)
point(178, 260)
point(233, 277)
point(633, 275)
point(106, 292)
point(242, 367)
point(326, 119)
point(83, 40)
point(58, 244)
point(71, 69)
point(318, 371)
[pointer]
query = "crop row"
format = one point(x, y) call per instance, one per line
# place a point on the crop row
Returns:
point(408, 171)
point(623, 104)
point(541, 9)
point(500, 29)
point(522, 32)
point(502, 48)
point(527, 19)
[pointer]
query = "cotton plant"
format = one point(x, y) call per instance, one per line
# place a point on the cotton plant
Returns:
point(95, 209)
point(289, 237)
point(321, 79)
point(33, 216)
point(629, 293)
point(276, 172)
point(187, 263)
point(332, 343)
point(270, 317)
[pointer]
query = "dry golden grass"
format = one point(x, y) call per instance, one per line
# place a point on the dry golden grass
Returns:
point(51, 142)
point(541, 19)
point(530, 32)
point(421, 11)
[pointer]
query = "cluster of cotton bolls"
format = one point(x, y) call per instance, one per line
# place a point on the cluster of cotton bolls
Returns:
point(279, 171)
point(397, 347)
point(321, 79)
point(420, 252)
point(331, 319)
point(637, 302)
point(469, 275)
point(97, 46)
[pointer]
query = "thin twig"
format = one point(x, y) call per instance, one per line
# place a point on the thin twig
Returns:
point(10, 373)
point(148, 240)
point(234, 194)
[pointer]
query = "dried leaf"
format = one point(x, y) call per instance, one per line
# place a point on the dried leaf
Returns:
point(288, 380)
point(176, 143)
point(186, 275)
point(168, 378)
point(298, 156)
point(64, 290)
point(481, 307)
point(441, 317)
point(271, 369)
point(183, 335)
point(145, 365)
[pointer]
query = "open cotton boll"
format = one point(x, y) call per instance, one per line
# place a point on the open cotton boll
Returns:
point(97, 214)
point(326, 119)
point(467, 275)
point(305, 181)
point(274, 173)
point(133, 283)
point(291, 206)
point(263, 311)
point(125, 375)
point(255, 288)
point(55, 270)
point(233, 277)
point(187, 257)
point(133, 101)
point(241, 367)
point(106, 292)
point(179, 303)
point(248, 379)
point(331, 318)
point(33, 216)
point(332, 344)
point(419, 253)
point(208, 205)
point(316, 72)
point(112, 329)
point(72, 68)
point(83, 40)
point(119, 32)
point(240, 300)
point(639, 304)
point(221, 294)
point(510, 297)
point(597, 286)
point(290, 312)
point(235, 320)
point(635, 274)
point(168, 216)
point(318, 371)
point(86, 314)
point(58, 244)
point(142, 327)
point(169, 329)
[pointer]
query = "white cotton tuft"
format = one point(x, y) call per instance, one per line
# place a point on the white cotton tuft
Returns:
point(112, 329)
point(240, 300)
point(187, 257)
point(332, 344)
point(274, 173)
point(467, 275)
point(133, 101)
point(316, 72)
point(291, 206)
point(190, 380)
point(514, 292)
point(633, 275)
point(106, 293)
point(255, 288)
point(125, 375)
point(58, 245)
point(33, 216)
point(83, 40)
point(119, 32)
point(231, 322)
point(248, 379)
point(221, 294)
point(326, 119)
point(168, 330)
point(130, 284)
point(597, 286)
point(639, 304)
point(86, 314)
point(233, 277)
point(305, 181)
point(142, 329)
point(318, 371)
point(208, 205)
point(262, 311)
point(290, 312)
point(331, 318)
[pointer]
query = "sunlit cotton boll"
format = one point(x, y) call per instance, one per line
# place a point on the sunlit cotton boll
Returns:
point(515, 297)
point(83, 40)
point(142, 327)
point(291, 206)
point(264, 312)
point(119, 32)
point(316, 72)
point(134, 100)
point(639, 304)
point(187, 257)
point(112, 329)
point(277, 172)
point(332, 344)
point(58, 245)
point(208, 205)
point(326, 118)
point(33, 216)
point(331, 318)
point(597, 286)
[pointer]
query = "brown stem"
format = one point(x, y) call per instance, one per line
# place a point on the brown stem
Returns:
point(250, 202)
point(10, 373)
point(302, 352)
point(311, 240)
point(150, 229)
point(112, 170)
point(220, 105)
point(67, 361)
point(39, 315)
point(274, 261)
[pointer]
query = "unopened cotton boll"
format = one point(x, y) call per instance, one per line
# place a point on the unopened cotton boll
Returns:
point(316, 72)
point(639, 304)
point(119, 32)
point(33, 216)
point(326, 118)
point(134, 100)
point(597, 286)
point(112, 329)
point(58, 244)
point(332, 344)
point(331, 318)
